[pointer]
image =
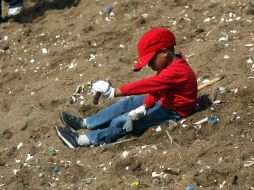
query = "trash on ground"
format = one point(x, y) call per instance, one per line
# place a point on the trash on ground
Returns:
point(212, 120)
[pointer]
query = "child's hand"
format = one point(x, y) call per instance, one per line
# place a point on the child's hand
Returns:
point(104, 88)
point(138, 113)
point(133, 115)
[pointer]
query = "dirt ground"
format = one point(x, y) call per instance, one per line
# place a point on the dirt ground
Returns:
point(56, 45)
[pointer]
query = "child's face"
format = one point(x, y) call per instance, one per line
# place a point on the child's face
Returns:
point(160, 60)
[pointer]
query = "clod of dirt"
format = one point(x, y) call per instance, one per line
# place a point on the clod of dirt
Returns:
point(12, 151)
point(250, 10)
point(6, 134)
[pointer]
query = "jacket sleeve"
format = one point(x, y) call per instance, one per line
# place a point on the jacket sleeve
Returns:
point(163, 80)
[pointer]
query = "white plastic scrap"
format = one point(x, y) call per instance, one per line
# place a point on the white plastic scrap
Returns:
point(29, 157)
point(158, 129)
point(224, 38)
point(218, 101)
point(248, 45)
point(207, 20)
point(125, 154)
point(72, 65)
point(205, 81)
point(201, 121)
point(226, 57)
point(249, 163)
point(222, 185)
point(249, 61)
point(44, 50)
point(15, 171)
point(154, 174)
point(19, 145)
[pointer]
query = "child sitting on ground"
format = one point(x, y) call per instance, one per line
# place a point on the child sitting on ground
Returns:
point(170, 95)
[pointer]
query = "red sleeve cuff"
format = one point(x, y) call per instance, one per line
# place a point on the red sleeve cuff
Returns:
point(149, 100)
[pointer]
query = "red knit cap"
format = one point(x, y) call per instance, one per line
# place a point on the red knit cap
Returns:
point(151, 42)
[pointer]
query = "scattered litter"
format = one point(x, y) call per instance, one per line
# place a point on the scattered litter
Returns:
point(44, 50)
point(222, 185)
point(249, 163)
point(212, 120)
point(29, 157)
point(52, 150)
point(226, 57)
point(205, 81)
point(248, 45)
point(108, 10)
point(234, 116)
point(249, 61)
point(250, 77)
point(201, 121)
point(99, 166)
point(39, 144)
point(20, 145)
point(77, 95)
point(207, 20)
point(154, 174)
point(2, 184)
point(88, 180)
point(56, 170)
point(219, 101)
point(72, 65)
point(158, 129)
point(189, 187)
point(125, 154)
point(135, 184)
point(144, 15)
point(223, 90)
point(235, 90)
point(224, 38)
point(15, 171)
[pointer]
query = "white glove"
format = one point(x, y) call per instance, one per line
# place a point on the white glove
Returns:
point(104, 88)
point(133, 115)
point(138, 113)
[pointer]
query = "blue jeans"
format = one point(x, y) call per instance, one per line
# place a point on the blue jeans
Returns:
point(107, 125)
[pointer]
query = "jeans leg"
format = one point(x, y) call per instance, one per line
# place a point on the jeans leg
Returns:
point(155, 116)
point(103, 118)
point(108, 134)
point(15, 3)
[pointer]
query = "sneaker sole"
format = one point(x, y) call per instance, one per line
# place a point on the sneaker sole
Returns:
point(63, 139)
point(61, 118)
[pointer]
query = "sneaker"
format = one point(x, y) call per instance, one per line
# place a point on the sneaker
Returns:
point(74, 122)
point(14, 11)
point(68, 137)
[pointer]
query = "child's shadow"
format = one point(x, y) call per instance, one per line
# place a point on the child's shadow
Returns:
point(39, 9)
